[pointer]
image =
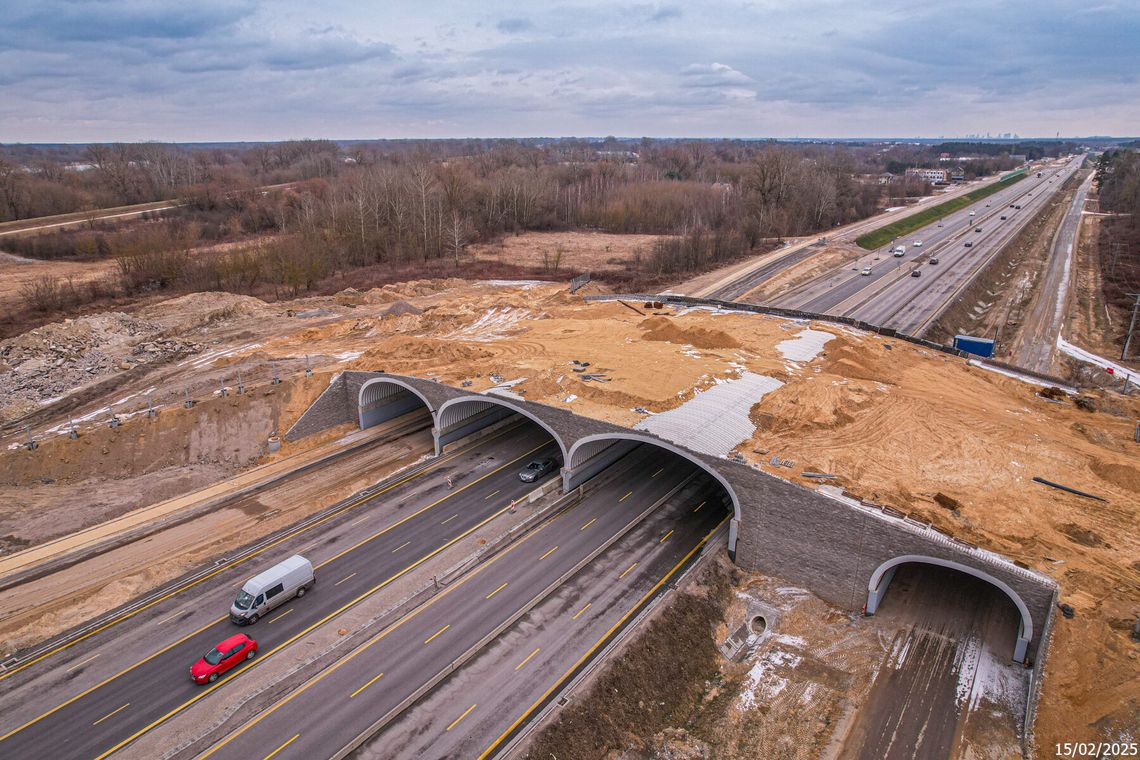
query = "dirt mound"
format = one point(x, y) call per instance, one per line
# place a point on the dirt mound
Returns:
point(410, 289)
point(199, 309)
point(405, 347)
point(401, 308)
point(666, 330)
point(1120, 475)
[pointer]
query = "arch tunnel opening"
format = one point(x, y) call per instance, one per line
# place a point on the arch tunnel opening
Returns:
point(647, 458)
point(959, 601)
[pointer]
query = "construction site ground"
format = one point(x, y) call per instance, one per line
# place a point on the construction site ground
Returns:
point(923, 432)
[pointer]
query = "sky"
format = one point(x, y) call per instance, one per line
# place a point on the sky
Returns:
point(228, 70)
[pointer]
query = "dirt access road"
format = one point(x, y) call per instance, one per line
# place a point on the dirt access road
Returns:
point(1037, 341)
point(947, 687)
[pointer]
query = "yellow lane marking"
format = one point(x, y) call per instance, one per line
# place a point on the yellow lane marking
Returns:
point(429, 639)
point(283, 746)
point(350, 576)
point(657, 473)
point(590, 652)
point(500, 588)
point(401, 546)
point(237, 562)
point(579, 612)
point(528, 658)
point(548, 553)
point(81, 664)
point(491, 494)
point(108, 715)
point(371, 681)
point(625, 497)
point(627, 571)
point(445, 522)
point(665, 537)
point(587, 525)
point(205, 692)
point(698, 509)
point(357, 522)
point(455, 722)
point(283, 614)
point(345, 660)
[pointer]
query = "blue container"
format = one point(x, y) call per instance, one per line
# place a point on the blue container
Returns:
point(977, 346)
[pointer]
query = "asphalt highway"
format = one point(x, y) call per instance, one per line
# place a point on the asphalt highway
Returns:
point(320, 717)
point(526, 667)
point(891, 297)
point(86, 719)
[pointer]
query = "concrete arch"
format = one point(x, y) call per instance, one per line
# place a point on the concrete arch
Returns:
point(881, 578)
point(362, 407)
point(585, 450)
point(453, 421)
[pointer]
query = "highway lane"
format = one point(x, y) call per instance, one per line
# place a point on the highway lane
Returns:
point(527, 666)
point(89, 721)
point(1037, 341)
point(323, 715)
point(843, 289)
point(911, 304)
point(746, 278)
point(891, 297)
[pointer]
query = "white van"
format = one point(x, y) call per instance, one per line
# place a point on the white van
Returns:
point(277, 585)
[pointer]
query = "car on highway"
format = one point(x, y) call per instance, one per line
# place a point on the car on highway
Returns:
point(899, 252)
point(1011, 205)
point(933, 259)
point(223, 658)
point(915, 273)
point(918, 244)
point(288, 579)
point(969, 244)
point(977, 229)
point(1017, 207)
point(973, 213)
point(865, 271)
point(1004, 217)
point(536, 469)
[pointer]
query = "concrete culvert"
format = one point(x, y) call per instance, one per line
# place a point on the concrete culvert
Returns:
point(759, 625)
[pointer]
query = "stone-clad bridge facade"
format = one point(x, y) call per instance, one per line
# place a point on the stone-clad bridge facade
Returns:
point(841, 550)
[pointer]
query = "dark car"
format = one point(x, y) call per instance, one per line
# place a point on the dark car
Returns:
point(224, 657)
point(1004, 217)
point(969, 244)
point(536, 469)
point(933, 259)
point(915, 273)
point(977, 229)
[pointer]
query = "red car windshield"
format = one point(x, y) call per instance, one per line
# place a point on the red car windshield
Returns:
point(213, 656)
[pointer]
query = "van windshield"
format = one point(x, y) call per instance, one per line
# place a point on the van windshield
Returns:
point(243, 600)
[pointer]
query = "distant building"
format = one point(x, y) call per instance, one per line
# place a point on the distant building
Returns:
point(886, 178)
point(934, 176)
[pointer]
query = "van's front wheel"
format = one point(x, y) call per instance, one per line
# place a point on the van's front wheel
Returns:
point(300, 592)
point(253, 619)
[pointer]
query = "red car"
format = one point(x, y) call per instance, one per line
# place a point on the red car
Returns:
point(222, 658)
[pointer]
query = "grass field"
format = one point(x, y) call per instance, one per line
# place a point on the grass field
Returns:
point(884, 235)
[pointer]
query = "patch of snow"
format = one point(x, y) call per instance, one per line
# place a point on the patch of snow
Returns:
point(1090, 358)
point(571, 398)
point(347, 356)
point(805, 346)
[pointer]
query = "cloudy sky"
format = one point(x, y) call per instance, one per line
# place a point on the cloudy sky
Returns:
point(93, 70)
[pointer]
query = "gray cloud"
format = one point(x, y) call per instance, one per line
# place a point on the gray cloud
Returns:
point(250, 69)
point(514, 25)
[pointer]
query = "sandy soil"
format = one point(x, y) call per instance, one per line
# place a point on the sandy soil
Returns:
point(566, 251)
point(893, 422)
point(17, 272)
